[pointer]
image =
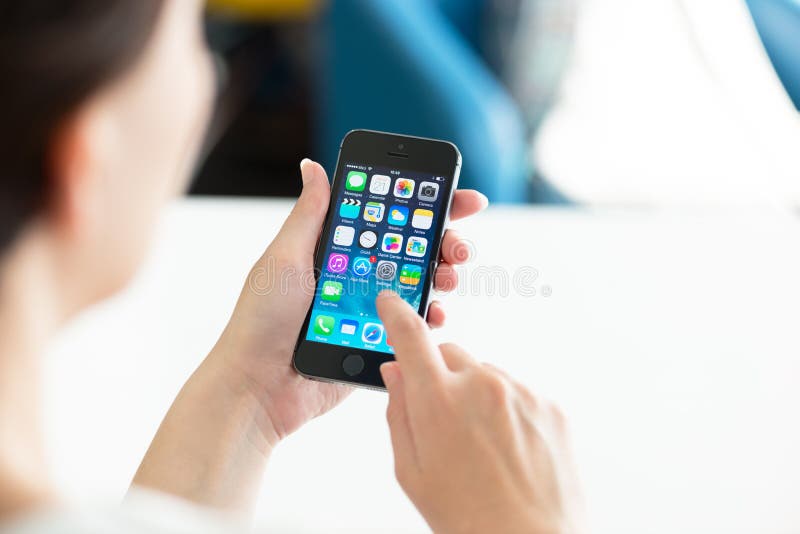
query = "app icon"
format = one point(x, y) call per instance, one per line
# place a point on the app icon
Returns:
point(428, 191)
point(423, 219)
point(386, 270)
point(410, 274)
point(392, 243)
point(337, 263)
point(350, 208)
point(323, 325)
point(404, 188)
point(372, 333)
point(362, 266)
point(380, 184)
point(356, 181)
point(344, 235)
point(332, 291)
point(348, 327)
point(368, 239)
point(373, 212)
point(416, 246)
point(398, 215)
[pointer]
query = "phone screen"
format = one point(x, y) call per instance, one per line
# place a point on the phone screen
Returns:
point(382, 231)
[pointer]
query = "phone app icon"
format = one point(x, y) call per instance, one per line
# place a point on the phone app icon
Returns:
point(356, 181)
point(350, 208)
point(323, 325)
point(332, 291)
point(368, 239)
point(423, 219)
point(410, 274)
point(380, 184)
point(386, 270)
point(428, 191)
point(404, 188)
point(392, 243)
point(416, 246)
point(337, 263)
point(348, 327)
point(398, 215)
point(344, 235)
point(362, 266)
point(372, 333)
point(373, 211)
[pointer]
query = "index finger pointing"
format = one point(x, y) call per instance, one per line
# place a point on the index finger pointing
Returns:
point(415, 351)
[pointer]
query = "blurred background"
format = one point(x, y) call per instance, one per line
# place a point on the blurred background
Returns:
point(555, 101)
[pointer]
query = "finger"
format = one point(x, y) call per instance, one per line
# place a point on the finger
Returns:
point(456, 358)
point(445, 279)
point(455, 249)
point(416, 353)
point(467, 202)
point(301, 229)
point(436, 315)
point(397, 417)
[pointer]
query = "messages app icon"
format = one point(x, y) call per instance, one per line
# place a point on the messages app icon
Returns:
point(356, 181)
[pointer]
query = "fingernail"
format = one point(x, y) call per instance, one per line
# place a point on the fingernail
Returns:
point(386, 293)
point(484, 200)
point(303, 167)
point(389, 373)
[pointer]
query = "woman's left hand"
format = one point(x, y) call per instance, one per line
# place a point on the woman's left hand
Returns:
point(256, 347)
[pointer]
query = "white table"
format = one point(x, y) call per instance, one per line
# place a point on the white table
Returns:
point(670, 339)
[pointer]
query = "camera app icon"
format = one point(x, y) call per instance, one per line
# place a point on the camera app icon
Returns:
point(428, 191)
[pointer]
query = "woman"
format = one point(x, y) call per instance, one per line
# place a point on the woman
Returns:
point(104, 108)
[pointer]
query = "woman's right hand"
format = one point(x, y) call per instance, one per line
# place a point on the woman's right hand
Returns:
point(474, 450)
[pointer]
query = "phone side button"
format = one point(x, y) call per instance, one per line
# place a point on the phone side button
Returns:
point(352, 364)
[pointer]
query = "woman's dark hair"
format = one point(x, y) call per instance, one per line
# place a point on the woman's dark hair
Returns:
point(53, 55)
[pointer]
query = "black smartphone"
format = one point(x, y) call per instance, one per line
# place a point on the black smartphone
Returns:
point(390, 202)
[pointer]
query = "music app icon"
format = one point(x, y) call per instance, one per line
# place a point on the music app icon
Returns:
point(337, 263)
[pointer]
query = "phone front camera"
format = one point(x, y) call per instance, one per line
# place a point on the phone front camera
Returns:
point(401, 146)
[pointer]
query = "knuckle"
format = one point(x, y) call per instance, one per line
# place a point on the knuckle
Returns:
point(410, 323)
point(497, 388)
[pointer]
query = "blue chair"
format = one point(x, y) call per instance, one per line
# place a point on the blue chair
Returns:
point(411, 66)
point(778, 24)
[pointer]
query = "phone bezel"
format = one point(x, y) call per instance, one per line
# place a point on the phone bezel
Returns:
point(323, 361)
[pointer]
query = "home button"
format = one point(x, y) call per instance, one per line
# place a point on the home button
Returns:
point(352, 364)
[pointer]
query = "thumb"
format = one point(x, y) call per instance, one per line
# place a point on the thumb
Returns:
point(301, 229)
point(397, 417)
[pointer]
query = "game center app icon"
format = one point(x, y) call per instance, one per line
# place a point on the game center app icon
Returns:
point(404, 188)
point(392, 243)
point(380, 184)
point(398, 215)
point(337, 263)
point(350, 208)
point(372, 333)
point(373, 212)
point(386, 270)
point(416, 246)
point(356, 181)
point(410, 274)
